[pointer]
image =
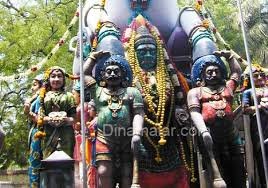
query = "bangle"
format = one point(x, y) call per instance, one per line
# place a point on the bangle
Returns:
point(138, 134)
point(204, 132)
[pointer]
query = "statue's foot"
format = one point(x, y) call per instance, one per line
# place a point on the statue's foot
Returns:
point(219, 183)
point(135, 186)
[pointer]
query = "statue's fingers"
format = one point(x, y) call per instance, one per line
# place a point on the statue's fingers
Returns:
point(217, 53)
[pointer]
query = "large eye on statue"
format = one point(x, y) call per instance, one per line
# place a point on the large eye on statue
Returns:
point(113, 70)
point(259, 75)
point(212, 71)
point(146, 54)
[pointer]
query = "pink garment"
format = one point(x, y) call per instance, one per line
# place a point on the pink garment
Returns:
point(77, 154)
point(78, 138)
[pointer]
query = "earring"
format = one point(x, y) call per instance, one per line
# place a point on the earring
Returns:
point(102, 83)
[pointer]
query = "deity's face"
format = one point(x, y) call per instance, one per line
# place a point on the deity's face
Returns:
point(56, 80)
point(91, 111)
point(146, 54)
point(212, 75)
point(259, 78)
point(35, 86)
point(112, 75)
point(76, 97)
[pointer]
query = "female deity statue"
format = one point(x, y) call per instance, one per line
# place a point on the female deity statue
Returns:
point(34, 144)
point(77, 127)
point(164, 93)
point(210, 106)
point(91, 145)
point(120, 117)
point(249, 108)
point(56, 114)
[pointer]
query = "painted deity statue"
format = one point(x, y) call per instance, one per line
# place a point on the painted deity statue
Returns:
point(91, 145)
point(77, 127)
point(249, 108)
point(210, 106)
point(56, 114)
point(120, 117)
point(163, 93)
point(160, 13)
point(31, 110)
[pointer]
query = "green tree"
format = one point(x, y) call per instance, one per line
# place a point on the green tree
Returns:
point(27, 35)
point(256, 21)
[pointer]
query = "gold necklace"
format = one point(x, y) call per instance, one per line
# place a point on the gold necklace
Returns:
point(115, 108)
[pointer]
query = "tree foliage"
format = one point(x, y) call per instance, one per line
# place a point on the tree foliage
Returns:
point(27, 35)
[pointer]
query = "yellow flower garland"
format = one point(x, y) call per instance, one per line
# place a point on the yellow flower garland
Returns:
point(161, 75)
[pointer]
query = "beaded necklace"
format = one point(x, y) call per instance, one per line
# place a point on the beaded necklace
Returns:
point(158, 118)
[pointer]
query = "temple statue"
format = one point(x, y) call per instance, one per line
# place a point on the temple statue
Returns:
point(56, 114)
point(164, 93)
point(120, 117)
point(160, 13)
point(210, 105)
point(31, 110)
point(248, 106)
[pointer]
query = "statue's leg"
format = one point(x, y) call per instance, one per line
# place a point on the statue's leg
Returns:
point(105, 175)
point(257, 152)
point(218, 182)
point(238, 172)
point(126, 175)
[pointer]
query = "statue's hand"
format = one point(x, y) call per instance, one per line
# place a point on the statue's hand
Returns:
point(264, 103)
point(135, 142)
point(224, 53)
point(207, 140)
point(264, 107)
point(96, 55)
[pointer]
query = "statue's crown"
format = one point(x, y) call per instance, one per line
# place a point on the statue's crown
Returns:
point(143, 35)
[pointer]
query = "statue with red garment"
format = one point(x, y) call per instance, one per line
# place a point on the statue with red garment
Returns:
point(210, 105)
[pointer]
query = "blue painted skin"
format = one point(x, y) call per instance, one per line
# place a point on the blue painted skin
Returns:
point(146, 54)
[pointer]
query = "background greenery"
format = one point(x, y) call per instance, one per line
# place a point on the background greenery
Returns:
point(28, 33)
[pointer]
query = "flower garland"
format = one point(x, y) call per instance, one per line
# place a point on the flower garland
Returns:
point(41, 114)
point(39, 65)
point(158, 118)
